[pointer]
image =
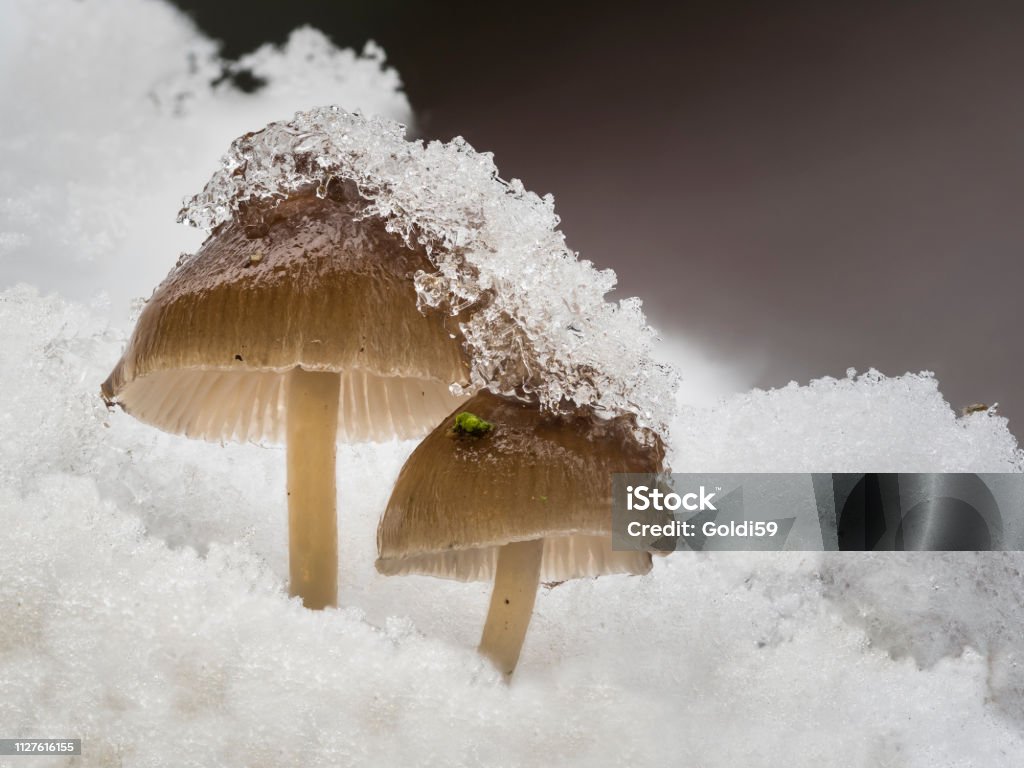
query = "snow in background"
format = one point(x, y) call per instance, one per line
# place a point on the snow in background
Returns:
point(143, 603)
point(109, 122)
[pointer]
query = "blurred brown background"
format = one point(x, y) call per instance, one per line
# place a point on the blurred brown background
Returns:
point(800, 187)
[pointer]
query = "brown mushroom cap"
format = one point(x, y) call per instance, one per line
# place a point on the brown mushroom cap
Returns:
point(301, 284)
point(460, 498)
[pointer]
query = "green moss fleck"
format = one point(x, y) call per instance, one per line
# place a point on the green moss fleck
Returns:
point(467, 423)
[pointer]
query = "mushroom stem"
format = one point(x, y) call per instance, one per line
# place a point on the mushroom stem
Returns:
point(312, 424)
point(515, 590)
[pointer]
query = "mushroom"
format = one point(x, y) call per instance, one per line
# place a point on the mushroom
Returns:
point(502, 490)
point(295, 322)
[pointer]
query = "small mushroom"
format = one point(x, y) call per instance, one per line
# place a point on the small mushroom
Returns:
point(503, 491)
point(294, 323)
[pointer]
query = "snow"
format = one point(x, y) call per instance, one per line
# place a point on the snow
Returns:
point(110, 120)
point(143, 601)
point(861, 423)
point(534, 317)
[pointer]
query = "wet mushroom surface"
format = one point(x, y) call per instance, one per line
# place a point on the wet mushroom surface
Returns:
point(502, 491)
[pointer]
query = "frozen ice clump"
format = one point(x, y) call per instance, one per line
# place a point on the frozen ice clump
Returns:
point(536, 319)
point(866, 423)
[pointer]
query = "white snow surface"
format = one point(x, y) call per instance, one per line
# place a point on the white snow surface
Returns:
point(143, 601)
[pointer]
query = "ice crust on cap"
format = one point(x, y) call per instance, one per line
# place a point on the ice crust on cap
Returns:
point(536, 320)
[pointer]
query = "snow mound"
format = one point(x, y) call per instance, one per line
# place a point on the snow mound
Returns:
point(309, 65)
point(142, 585)
point(936, 606)
point(865, 423)
point(538, 322)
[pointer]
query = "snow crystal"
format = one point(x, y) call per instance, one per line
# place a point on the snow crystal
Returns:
point(534, 316)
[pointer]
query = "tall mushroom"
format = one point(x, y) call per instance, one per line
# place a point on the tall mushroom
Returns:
point(504, 491)
point(295, 322)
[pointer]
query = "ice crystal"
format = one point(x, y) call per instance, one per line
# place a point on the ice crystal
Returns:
point(534, 316)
